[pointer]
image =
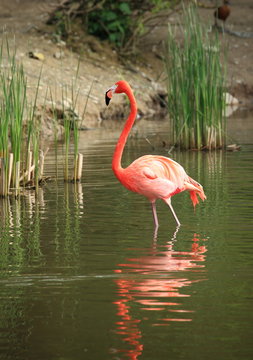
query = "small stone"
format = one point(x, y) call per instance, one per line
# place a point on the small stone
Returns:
point(36, 55)
point(231, 100)
point(58, 55)
point(233, 147)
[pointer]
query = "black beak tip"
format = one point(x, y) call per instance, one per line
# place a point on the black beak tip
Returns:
point(107, 99)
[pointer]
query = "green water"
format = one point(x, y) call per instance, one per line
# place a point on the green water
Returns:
point(81, 276)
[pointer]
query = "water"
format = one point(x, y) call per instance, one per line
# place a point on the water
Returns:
point(81, 276)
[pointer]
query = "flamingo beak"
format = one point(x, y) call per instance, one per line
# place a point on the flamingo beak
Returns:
point(109, 93)
point(108, 96)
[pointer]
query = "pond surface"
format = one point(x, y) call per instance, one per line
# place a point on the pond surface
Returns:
point(81, 276)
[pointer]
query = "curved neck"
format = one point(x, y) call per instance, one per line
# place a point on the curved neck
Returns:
point(116, 161)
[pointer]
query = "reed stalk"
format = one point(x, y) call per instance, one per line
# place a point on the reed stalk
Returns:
point(13, 102)
point(67, 128)
point(10, 166)
point(78, 157)
point(71, 122)
point(74, 97)
point(195, 82)
point(55, 120)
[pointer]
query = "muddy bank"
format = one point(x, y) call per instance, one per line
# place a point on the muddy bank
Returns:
point(59, 77)
point(98, 66)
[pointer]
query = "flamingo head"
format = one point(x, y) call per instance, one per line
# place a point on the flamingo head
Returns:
point(118, 88)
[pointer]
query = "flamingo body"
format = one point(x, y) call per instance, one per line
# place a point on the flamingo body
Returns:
point(154, 176)
point(157, 177)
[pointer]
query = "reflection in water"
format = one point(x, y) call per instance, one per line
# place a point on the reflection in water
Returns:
point(155, 281)
point(22, 219)
point(35, 239)
point(57, 254)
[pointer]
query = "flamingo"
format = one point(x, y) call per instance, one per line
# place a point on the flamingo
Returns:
point(154, 176)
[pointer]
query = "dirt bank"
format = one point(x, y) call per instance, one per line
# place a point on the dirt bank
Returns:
point(99, 67)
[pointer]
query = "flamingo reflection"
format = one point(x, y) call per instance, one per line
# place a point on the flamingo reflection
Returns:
point(155, 281)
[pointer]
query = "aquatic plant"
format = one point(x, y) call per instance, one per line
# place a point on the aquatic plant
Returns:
point(72, 121)
point(13, 103)
point(22, 162)
point(15, 112)
point(195, 83)
point(67, 126)
point(78, 157)
point(74, 96)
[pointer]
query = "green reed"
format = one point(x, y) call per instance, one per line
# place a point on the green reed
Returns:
point(195, 82)
point(67, 128)
point(15, 113)
point(13, 103)
point(74, 98)
point(78, 158)
point(34, 135)
point(72, 121)
point(55, 123)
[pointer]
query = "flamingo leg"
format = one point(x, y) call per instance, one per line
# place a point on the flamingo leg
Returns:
point(168, 202)
point(155, 215)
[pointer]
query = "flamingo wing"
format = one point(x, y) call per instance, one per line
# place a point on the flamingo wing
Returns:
point(160, 177)
point(149, 173)
point(154, 177)
point(155, 166)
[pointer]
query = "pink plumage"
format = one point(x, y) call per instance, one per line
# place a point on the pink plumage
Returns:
point(154, 176)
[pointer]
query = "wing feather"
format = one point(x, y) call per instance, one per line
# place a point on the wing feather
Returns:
point(154, 166)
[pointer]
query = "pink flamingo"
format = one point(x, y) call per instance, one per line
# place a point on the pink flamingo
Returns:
point(154, 176)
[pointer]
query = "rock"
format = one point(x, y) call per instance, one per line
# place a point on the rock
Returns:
point(233, 147)
point(59, 55)
point(231, 100)
point(36, 55)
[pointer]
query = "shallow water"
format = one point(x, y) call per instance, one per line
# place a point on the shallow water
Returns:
point(81, 276)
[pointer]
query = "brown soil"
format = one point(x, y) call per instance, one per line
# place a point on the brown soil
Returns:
point(100, 68)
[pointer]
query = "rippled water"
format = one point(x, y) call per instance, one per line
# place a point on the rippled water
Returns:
point(81, 276)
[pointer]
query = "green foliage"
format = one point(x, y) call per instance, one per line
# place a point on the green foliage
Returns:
point(15, 112)
point(121, 22)
point(63, 24)
point(112, 22)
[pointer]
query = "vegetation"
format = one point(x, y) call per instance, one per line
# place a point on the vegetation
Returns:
point(22, 162)
point(72, 124)
point(15, 110)
point(122, 23)
point(195, 81)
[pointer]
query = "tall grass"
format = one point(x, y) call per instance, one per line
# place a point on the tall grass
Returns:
point(22, 162)
point(72, 121)
point(195, 82)
point(13, 104)
point(55, 123)
point(74, 98)
point(33, 136)
point(67, 128)
point(16, 112)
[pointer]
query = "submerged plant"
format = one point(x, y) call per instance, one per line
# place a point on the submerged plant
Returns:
point(195, 82)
